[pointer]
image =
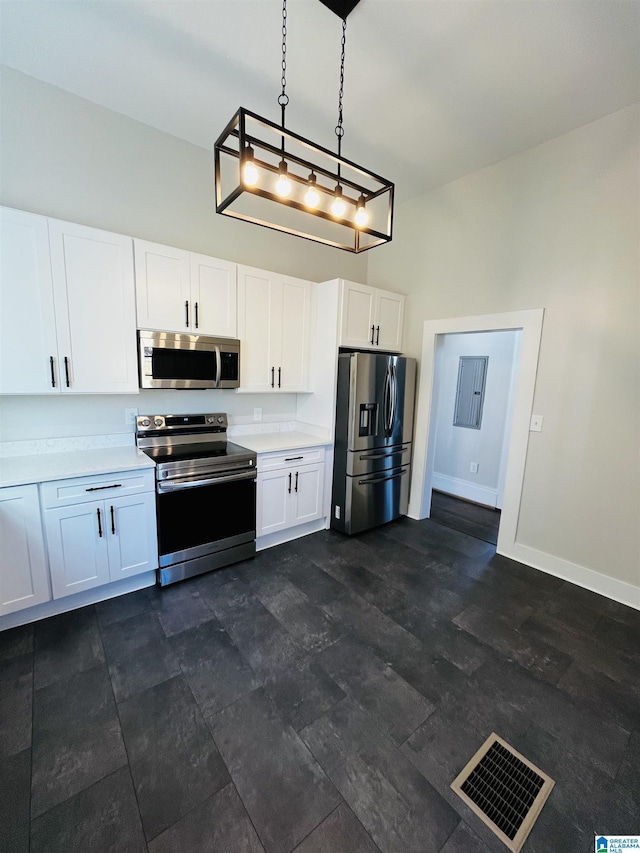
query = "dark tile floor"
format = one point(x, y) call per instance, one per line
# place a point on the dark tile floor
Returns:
point(479, 521)
point(320, 698)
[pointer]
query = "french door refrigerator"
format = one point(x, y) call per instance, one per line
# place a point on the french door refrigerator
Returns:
point(374, 430)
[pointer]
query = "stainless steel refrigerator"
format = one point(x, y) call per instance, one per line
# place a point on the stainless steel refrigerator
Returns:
point(374, 430)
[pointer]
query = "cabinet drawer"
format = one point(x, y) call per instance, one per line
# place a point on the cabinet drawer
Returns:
point(58, 493)
point(290, 458)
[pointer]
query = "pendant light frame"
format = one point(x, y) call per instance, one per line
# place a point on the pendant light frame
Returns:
point(247, 137)
point(328, 167)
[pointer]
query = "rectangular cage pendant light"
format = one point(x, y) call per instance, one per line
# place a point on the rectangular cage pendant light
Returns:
point(315, 175)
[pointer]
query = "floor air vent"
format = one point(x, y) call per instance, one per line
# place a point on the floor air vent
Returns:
point(505, 790)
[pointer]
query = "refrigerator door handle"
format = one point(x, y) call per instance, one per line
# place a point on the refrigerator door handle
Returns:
point(392, 451)
point(394, 398)
point(386, 400)
point(373, 480)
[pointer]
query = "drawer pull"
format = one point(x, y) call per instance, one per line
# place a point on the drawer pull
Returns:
point(289, 482)
point(100, 488)
point(99, 523)
point(296, 481)
point(293, 458)
point(113, 521)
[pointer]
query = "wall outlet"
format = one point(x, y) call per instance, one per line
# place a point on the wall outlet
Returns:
point(536, 423)
point(473, 467)
point(257, 414)
point(130, 416)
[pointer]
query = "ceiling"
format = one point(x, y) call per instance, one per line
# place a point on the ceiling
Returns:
point(434, 89)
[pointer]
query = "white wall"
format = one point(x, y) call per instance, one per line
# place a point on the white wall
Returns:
point(456, 447)
point(555, 227)
point(66, 157)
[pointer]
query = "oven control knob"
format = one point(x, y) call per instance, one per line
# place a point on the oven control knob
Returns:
point(211, 419)
point(165, 473)
point(158, 421)
point(145, 422)
point(221, 420)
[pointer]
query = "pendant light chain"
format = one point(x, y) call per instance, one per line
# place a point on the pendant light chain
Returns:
point(283, 98)
point(339, 127)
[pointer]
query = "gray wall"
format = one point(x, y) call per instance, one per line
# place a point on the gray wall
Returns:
point(555, 227)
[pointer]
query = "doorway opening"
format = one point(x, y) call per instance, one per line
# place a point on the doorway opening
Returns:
point(514, 450)
point(474, 389)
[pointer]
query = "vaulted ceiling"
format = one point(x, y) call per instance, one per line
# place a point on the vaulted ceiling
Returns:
point(434, 89)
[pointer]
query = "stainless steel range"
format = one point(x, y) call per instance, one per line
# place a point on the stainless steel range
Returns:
point(205, 493)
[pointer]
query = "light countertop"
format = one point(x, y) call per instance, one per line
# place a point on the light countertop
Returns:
point(266, 442)
point(40, 467)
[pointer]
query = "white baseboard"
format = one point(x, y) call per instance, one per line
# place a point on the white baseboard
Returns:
point(290, 533)
point(80, 599)
point(465, 489)
point(621, 591)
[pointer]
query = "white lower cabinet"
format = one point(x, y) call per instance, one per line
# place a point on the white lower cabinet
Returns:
point(290, 490)
point(24, 580)
point(93, 542)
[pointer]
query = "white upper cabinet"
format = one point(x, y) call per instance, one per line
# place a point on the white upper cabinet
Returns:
point(28, 344)
point(371, 318)
point(94, 294)
point(163, 286)
point(274, 313)
point(67, 299)
point(180, 291)
point(213, 294)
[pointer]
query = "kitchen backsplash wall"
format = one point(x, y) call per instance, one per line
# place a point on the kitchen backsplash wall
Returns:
point(27, 418)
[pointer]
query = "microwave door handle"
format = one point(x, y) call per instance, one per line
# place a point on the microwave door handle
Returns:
point(218, 367)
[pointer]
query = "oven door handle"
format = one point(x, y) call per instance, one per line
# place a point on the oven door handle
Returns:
point(178, 485)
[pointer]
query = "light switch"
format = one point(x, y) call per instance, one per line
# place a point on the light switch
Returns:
point(536, 423)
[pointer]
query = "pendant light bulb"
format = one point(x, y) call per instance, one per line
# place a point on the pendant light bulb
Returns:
point(338, 206)
point(283, 184)
point(250, 173)
point(361, 217)
point(312, 196)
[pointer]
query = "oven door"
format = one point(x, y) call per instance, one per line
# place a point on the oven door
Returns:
point(203, 515)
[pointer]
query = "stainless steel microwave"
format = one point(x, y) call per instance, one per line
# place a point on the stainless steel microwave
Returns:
point(170, 360)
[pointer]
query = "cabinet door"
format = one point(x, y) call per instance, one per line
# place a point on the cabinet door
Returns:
point(77, 541)
point(295, 324)
point(213, 296)
point(308, 491)
point(259, 318)
point(163, 288)
point(24, 579)
point(273, 501)
point(131, 535)
point(390, 319)
point(28, 347)
point(358, 318)
point(94, 295)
